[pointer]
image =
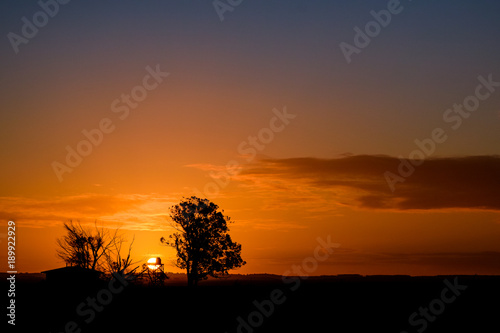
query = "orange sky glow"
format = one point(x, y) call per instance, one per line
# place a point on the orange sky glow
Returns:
point(114, 115)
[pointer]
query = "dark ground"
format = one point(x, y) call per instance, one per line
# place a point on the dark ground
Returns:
point(319, 304)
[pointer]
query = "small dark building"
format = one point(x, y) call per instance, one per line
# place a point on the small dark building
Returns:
point(72, 275)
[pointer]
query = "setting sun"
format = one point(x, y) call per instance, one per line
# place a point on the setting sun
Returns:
point(154, 263)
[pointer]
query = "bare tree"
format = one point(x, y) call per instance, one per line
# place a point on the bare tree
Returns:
point(116, 262)
point(88, 248)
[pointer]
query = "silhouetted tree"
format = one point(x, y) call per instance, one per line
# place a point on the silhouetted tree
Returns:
point(204, 247)
point(117, 263)
point(96, 248)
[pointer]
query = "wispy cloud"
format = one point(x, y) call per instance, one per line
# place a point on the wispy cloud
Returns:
point(132, 212)
point(318, 185)
point(271, 224)
point(471, 182)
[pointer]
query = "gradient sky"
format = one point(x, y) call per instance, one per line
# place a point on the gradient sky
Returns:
point(321, 175)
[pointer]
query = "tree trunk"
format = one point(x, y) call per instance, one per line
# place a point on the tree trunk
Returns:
point(188, 273)
point(192, 275)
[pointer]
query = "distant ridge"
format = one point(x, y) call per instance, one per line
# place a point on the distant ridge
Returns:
point(263, 278)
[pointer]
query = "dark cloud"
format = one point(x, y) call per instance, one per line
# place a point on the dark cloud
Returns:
point(471, 182)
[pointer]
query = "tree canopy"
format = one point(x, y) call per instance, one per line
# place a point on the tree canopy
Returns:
point(202, 241)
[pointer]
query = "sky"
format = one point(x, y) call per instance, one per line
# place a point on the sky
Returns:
point(375, 124)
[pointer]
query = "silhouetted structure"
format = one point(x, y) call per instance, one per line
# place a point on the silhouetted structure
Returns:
point(154, 272)
point(72, 274)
